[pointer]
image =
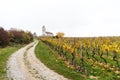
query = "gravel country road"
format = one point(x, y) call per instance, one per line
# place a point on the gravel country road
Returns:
point(23, 65)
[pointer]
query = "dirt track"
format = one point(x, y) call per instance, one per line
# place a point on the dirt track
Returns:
point(23, 65)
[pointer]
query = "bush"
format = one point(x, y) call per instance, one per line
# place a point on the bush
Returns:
point(14, 36)
point(4, 37)
point(19, 36)
point(60, 35)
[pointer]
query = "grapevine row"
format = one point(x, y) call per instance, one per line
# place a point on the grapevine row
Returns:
point(88, 54)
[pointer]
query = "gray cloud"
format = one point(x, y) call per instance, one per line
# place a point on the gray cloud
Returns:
point(73, 17)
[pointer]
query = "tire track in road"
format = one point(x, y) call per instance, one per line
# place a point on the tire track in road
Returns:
point(23, 65)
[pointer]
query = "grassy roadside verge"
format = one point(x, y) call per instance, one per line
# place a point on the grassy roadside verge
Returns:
point(51, 60)
point(4, 55)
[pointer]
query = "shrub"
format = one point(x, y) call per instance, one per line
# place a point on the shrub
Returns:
point(4, 37)
point(19, 36)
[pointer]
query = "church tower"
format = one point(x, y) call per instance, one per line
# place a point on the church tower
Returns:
point(43, 30)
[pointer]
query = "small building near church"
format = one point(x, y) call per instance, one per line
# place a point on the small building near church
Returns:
point(49, 34)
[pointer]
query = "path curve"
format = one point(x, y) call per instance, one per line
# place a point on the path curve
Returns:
point(23, 65)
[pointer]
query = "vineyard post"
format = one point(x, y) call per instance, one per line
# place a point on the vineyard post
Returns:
point(82, 59)
point(73, 54)
point(59, 49)
point(115, 58)
point(91, 47)
point(81, 56)
point(91, 44)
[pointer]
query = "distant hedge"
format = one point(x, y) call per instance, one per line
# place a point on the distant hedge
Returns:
point(18, 36)
point(14, 36)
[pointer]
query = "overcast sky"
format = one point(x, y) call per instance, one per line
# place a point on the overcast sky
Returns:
point(73, 17)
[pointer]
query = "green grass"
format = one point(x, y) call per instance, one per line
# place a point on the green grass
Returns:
point(50, 59)
point(4, 55)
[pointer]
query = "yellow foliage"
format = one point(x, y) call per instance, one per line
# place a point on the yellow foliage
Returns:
point(71, 46)
point(60, 34)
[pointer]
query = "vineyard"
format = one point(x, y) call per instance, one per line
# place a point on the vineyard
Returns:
point(96, 57)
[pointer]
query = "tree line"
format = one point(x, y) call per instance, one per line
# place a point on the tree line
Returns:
point(14, 36)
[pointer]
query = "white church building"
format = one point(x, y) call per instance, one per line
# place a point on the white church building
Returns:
point(46, 33)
